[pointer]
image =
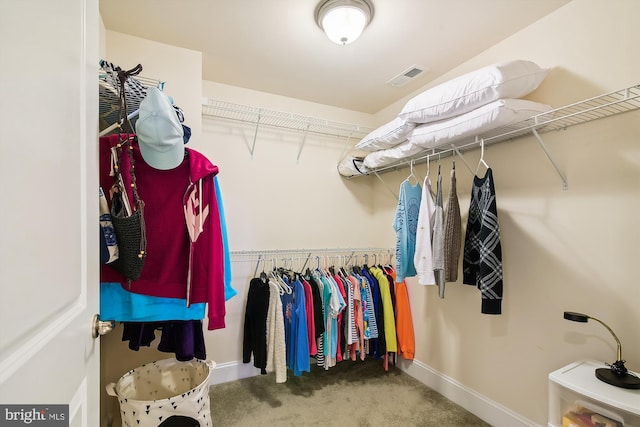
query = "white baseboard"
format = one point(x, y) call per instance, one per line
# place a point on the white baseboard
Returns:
point(474, 402)
point(232, 371)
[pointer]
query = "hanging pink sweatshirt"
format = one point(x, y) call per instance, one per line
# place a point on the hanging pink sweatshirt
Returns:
point(180, 205)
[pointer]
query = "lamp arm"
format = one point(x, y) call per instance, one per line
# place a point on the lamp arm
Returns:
point(612, 333)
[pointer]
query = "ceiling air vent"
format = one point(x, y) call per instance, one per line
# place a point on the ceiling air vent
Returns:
point(407, 75)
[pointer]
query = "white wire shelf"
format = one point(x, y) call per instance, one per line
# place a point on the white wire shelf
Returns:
point(282, 120)
point(602, 106)
point(109, 95)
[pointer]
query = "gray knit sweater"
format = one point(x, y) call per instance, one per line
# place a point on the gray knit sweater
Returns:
point(452, 232)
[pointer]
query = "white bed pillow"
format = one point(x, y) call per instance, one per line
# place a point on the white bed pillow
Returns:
point(352, 165)
point(387, 135)
point(457, 129)
point(512, 79)
point(391, 155)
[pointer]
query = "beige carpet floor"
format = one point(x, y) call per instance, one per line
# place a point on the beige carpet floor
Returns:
point(351, 394)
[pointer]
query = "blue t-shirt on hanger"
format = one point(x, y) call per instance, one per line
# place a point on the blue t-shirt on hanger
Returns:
point(405, 224)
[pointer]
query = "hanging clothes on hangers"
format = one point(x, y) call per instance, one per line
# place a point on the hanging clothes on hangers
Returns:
point(387, 312)
point(298, 352)
point(370, 322)
point(342, 297)
point(482, 260)
point(452, 231)
point(405, 225)
point(404, 322)
point(320, 321)
point(276, 346)
point(438, 238)
point(351, 324)
point(168, 272)
point(229, 291)
point(254, 341)
point(174, 258)
point(481, 161)
point(318, 318)
point(120, 305)
point(377, 346)
point(310, 315)
point(355, 319)
point(333, 306)
point(423, 257)
point(184, 338)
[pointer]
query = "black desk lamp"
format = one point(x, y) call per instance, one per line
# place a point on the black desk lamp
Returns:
point(617, 374)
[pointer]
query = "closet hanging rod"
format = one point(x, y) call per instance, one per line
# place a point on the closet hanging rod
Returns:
point(278, 252)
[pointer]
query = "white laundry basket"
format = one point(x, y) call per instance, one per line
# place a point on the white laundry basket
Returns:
point(165, 393)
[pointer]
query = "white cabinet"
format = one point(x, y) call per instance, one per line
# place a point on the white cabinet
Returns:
point(576, 386)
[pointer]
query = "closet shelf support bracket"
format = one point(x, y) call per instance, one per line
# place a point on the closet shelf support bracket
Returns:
point(345, 147)
point(395, 196)
point(255, 137)
point(304, 140)
point(459, 154)
point(565, 184)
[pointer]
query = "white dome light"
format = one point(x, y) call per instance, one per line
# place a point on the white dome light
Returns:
point(344, 20)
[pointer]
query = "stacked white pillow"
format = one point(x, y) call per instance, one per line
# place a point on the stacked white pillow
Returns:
point(451, 109)
point(458, 130)
point(512, 79)
point(386, 136)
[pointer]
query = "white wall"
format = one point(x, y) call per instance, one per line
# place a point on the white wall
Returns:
point(273, 200)
point(562, 250)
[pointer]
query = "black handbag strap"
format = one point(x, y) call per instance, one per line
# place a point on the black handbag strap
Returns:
point(126, 143)
point(123, 116)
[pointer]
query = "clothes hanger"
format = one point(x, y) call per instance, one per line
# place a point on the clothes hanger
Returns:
point(274, 276)
point(428, 165)
point(481, 161)
point(263, 274)
point(325, 269)
point(412, 174)
point(375, 259)
point(343, 266)
point(282, 285)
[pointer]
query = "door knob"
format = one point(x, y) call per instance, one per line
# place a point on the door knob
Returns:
point(101, 327)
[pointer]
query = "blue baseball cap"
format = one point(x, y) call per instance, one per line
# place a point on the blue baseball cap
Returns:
point(159, 131)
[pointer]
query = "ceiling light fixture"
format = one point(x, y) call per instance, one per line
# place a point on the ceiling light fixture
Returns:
point(343, 20)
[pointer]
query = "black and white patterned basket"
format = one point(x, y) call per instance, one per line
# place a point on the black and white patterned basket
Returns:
point(153, 393)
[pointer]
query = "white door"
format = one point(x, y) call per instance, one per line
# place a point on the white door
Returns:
point(48, 207)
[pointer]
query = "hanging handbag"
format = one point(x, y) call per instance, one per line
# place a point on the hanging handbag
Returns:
point(108, 240)
point(128, 221)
